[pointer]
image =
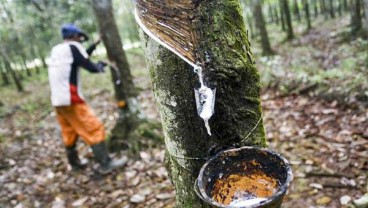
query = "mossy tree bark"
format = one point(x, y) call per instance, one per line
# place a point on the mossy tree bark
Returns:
point(261, 26)
point(289, 24)
point(229, 67)
point(125, 92)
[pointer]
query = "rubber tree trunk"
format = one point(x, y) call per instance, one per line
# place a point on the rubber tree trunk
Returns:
point(324, 9)
point(332, 8)
point(24, 63)
point(346, 6)
point(4, 75)
point(277, 19)
point(34, 54)
point(286, 11)
point(356, 16)
point(365, 15)
point(230, 68)
point(307, 14)
point(297, 11)
point(271, 16)
point(125, 92)
point(17, 81)
point(282, 16)
point(261, 26)
point(315, 5)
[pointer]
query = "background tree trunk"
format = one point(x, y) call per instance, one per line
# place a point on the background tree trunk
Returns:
point(4, 75)
point(277, 19)
point(307, 15)
point(296, 10)
point(286, 11)
point(24, 63)
point(270, 14)
point(261, 26)
point(332, 9)
point(315, 4)
point(16, 79)
point(282, 16)
point(356, 17)
point(324, 8)
point(366, 15)
point(231, 70)
point(125, 92)
point(346, 7)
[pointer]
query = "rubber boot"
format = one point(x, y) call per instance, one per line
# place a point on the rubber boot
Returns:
point(73, 158)
point(102, 156)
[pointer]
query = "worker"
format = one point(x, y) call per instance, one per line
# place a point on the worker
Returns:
point(75, 117)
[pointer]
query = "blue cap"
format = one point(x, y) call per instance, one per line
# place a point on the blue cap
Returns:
point(69, 30)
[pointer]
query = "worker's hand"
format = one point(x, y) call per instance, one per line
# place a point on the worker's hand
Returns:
point(101, 65)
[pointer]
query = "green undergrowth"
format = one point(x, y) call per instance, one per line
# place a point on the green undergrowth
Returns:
point(324, 62)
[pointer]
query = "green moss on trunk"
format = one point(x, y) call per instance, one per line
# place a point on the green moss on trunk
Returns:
point(228, 65)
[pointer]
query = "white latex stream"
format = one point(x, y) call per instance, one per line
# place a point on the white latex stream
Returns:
point(206, 95)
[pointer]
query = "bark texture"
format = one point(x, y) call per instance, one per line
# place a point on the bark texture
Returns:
point(225, 55)
point(261, 26)
point(125, 91)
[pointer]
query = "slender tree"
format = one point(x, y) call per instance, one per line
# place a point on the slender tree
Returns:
point(125, 92)
point(332, 8)
point(356, 16)
point(315, 4)
point(346, 7)
point(282, 16)
point(324, 8)
point(14, 75)
point(286, 11)
point(270, 13)
point(307, 15)
point(261, 26)
point(297, 11)
point(4, 75)
point(365, 15)
point(277, 19)
point(339, 7)
point(227, 65)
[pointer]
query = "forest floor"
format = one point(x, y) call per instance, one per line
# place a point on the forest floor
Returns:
point(325, 140)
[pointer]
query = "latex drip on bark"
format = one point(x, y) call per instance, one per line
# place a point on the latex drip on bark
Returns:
point(174, 39)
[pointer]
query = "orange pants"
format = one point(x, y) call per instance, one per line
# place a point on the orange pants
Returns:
point(79, 120)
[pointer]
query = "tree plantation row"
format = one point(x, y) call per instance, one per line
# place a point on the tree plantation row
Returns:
point(29, 28)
